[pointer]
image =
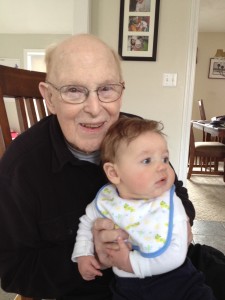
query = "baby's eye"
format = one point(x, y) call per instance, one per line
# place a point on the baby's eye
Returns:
point(166, 160)
point(146, 161)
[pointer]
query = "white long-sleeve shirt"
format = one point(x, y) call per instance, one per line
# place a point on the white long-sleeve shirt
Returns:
point(157, 229)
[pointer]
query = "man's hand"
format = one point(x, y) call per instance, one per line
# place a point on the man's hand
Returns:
point(120, 258)
point(105, 237)
point(88, 267)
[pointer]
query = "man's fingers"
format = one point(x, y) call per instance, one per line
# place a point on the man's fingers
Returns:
point(105, 237)
point(103, 224)
point(121, 243)
point(104, 230)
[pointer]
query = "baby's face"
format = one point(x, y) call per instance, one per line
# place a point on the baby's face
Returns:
point(143, 167)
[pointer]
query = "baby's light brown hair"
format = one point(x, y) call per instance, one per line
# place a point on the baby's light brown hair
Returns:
point(126, 129)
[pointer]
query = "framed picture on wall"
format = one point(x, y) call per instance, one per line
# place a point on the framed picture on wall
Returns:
point(217, 68)
point(138, 31)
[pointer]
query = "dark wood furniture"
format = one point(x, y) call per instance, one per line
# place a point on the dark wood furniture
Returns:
point(22, 85)
point(204, 157)
point(205, 126)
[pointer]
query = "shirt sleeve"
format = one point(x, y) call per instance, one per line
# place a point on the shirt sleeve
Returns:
point(84, 245)
point(173, 257)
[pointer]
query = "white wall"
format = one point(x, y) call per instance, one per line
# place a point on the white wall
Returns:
point(36, 17)
point(144, 93)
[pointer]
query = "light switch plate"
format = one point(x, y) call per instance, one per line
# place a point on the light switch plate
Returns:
point(170, 79)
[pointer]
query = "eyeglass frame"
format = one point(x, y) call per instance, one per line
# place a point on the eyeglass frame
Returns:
point(121, 84)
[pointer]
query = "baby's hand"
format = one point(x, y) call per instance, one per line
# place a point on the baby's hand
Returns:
point(120, 258)
point(88, 267)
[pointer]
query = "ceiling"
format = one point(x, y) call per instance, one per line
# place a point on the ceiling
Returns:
point(212, 16)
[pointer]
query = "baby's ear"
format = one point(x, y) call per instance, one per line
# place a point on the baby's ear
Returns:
point(111, 173)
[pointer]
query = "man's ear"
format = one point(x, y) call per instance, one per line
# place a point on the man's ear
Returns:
point(111, 173)
point(47, 95)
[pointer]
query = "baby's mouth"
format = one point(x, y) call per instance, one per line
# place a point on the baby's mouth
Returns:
point(162, 180)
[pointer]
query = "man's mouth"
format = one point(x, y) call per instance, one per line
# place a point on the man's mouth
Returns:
point(91, 126)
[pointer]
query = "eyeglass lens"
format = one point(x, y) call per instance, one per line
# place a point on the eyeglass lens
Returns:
point(78, 94)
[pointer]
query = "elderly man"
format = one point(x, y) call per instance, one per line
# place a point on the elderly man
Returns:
point(52, 171)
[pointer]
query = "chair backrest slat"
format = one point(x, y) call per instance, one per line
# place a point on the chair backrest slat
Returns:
point(31, 110)
point(21, 112)
point(22, 85)
point(201, 109)
point(40, 108)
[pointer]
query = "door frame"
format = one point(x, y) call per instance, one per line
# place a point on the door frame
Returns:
point(189, 90)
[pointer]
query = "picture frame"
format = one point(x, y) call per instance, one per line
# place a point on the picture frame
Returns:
point(138, 29)
point(216, 68)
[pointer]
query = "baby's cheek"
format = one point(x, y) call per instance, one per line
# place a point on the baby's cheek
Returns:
point(141, 183)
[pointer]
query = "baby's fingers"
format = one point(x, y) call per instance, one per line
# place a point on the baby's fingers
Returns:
point(91, 274)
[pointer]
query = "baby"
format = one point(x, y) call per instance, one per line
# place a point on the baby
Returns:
point(140, 199)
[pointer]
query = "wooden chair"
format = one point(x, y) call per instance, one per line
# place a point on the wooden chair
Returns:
point(22, 85)
point(201, 110)
point(205, 136)
point(205, 156)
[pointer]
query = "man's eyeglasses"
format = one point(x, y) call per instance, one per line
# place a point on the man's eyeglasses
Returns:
point(75, 94)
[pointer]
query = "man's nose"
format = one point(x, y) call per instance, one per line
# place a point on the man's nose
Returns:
point(92, 105)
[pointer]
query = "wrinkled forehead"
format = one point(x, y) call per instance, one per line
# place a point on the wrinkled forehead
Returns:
point(72, 60)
